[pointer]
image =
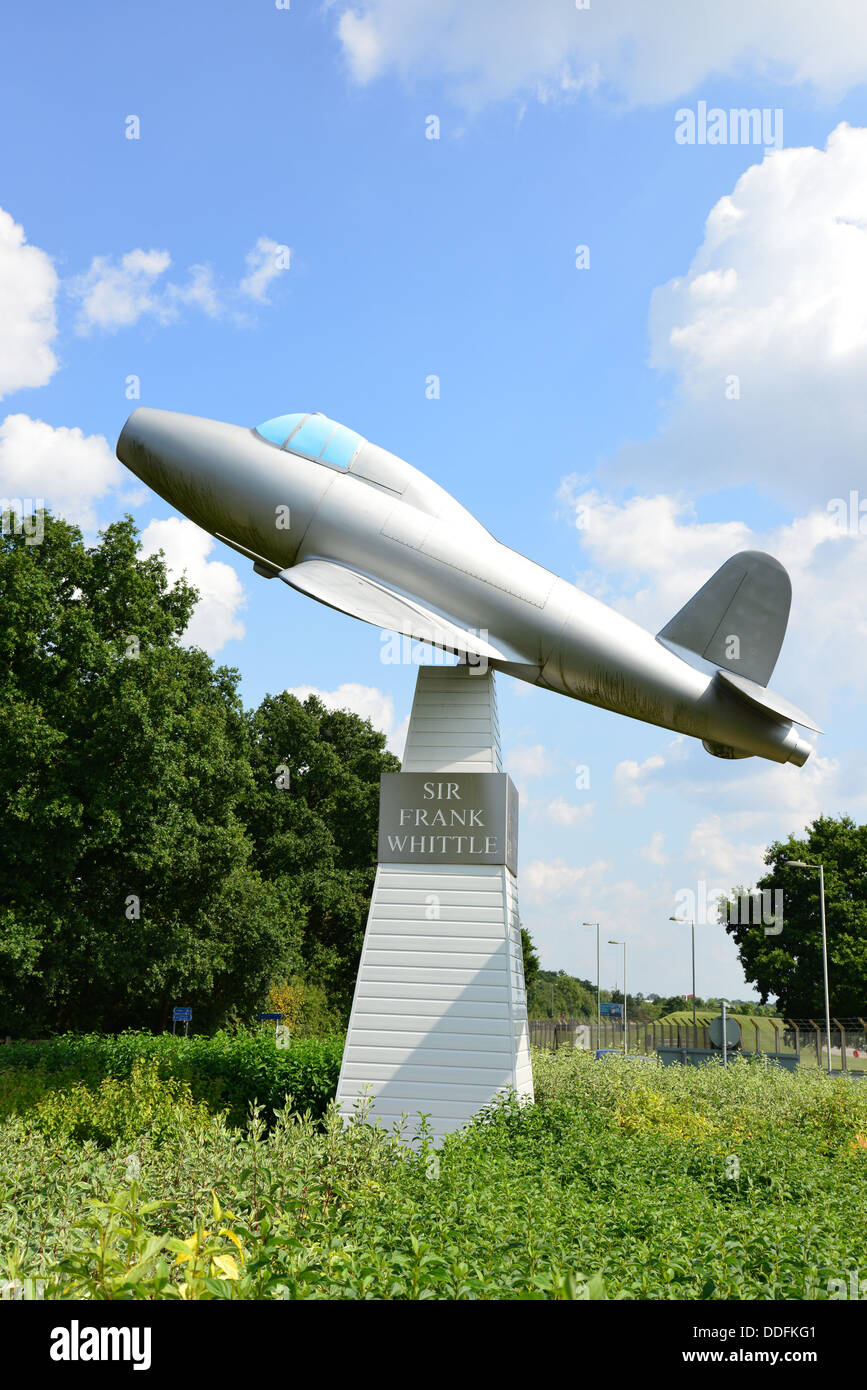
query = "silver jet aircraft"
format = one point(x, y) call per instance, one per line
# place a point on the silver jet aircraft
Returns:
point(353, 526)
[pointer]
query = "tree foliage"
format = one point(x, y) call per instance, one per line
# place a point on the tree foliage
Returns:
point(554, 992)
point(311, 812)
point(788, 962)
point(148, 858)
point(531, 959)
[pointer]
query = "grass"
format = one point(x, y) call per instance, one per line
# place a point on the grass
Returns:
point(621, 1181)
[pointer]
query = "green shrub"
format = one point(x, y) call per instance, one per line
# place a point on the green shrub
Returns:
point(624, 1180)
point(120, 1111)
point(229, 1071)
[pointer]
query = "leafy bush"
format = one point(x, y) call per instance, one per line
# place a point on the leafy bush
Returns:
point(750, 1095)
point(119, 1112)
point(306, 1010)
point(625, 1181)
point(229, 1071)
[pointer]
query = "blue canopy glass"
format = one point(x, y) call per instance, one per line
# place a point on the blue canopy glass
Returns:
point(314, 436)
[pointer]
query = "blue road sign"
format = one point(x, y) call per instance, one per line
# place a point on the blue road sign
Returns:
point(182, 1015)
point(274, 1018)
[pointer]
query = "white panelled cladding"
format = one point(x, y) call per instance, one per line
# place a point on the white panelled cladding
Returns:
point(439, 1019)
point(453, 726)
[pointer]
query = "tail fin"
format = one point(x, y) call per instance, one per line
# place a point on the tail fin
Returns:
point(738, 618)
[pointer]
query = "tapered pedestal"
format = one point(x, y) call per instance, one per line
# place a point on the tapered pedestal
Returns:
point(439, 1017)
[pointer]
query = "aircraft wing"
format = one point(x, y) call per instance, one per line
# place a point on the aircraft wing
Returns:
point(350, 592)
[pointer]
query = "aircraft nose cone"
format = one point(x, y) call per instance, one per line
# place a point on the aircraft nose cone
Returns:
point(195, 464)
point(223, 477)
point(144, 442)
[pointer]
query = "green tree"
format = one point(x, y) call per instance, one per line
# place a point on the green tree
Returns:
point(554, 992)
point(126, 882)
point(788, 963)
point(531, 959)
point(674, 1003)
point(312, 810)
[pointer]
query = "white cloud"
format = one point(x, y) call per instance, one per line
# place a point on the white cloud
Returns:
point(186, 546)
point(363, 45)
point(530, 762)
point(654, 852)
point(265, 262)
point(825, 656)
point(28, 287)
point(718, 856)
point(200, 291)
point(769, 800)
point(631, 777)
point(491, 49)
point(659, 954)
point(766, 333)
point(562, 812)
point(630, 546)
point(634, 542)
point(546, 879)
point(777, 295)
point(396, 740)
point(367, 702)
point(62, 468)
point(117, 293)
point(823, 666)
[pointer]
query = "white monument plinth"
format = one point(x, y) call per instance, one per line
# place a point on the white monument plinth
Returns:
point(439, 1018)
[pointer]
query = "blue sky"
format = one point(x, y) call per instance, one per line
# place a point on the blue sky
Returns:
point(583, 414)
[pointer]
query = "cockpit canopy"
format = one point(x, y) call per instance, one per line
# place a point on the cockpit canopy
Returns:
point(314, 437)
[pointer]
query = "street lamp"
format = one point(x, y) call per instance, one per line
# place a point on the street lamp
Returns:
point(612, 942)
point(725, 1033)
point(598, 1005)
point(691, 921)
point(801, 864)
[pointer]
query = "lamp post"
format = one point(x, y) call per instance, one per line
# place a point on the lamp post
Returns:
point(801, 864)
point(691, 921)
point(598, 1005)
point(612, 942)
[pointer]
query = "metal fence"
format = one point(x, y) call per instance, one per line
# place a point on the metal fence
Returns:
point(804, 1038)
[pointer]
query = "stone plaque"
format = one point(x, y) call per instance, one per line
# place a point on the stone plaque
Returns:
point(448, 818)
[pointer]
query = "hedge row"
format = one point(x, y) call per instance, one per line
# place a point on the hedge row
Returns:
point(229, 1071)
